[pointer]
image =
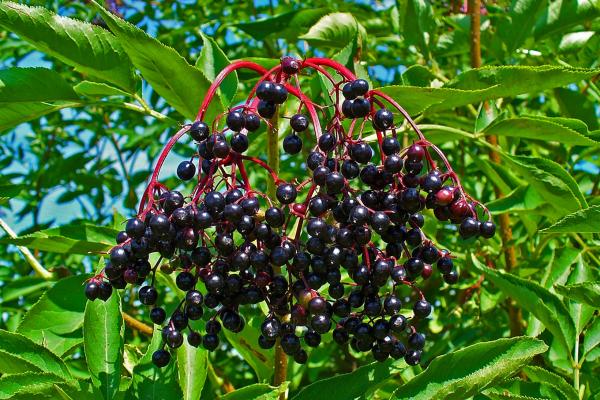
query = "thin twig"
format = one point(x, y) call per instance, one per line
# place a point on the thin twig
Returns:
point(137, 325)
point(33, 262)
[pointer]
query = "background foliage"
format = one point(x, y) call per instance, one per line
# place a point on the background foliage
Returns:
point(85, 108)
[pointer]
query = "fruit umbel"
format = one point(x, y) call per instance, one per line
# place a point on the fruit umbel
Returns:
point(330, 253)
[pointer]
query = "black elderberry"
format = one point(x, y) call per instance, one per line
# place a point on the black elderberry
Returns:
point(292, 144)
point(412, 357)
point(487, 229)
point(158, 315)
point(422, 308)
point(286, 193)
point(266, 109)
point(210, 341)
point(92, 290)
point(360, 87)
point(199, 131)
point(235, 120)
point(361, 108)
point(251, 122)
point(299, 122)
point(382, 120)
point(161, 358)
point(469, 227)
point(147, 295)
point(239, 144)
point(290, 344)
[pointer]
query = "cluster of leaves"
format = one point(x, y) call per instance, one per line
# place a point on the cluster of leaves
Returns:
point(85, 107)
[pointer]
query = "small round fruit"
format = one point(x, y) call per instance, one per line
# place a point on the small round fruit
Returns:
point(286, 193)
point(299, 122)
point(186, 170)
point(292, 144)
point(161, 358)
point(199, 131)
point(383, 119)
point(235, 120)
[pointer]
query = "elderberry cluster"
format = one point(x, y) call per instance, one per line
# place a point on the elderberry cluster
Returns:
point(333, 252)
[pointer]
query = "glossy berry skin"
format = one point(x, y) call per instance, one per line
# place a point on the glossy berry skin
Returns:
point(469, 227)
point(135, 228)
point(286, 193)
point(292, 144)
point(266, 109)
point(422, 308)
point(235, 120)
point(361, 152)
point(161, 358)
point(148, 295)
point(158, 315)
point(186, 170)
point(92, 290)
point(290, 65)
point(299, 122)
point(239, 143)
point(194, 339)
point(360, 87)
point(251, 122)
point(361, 108)
point(487, 229)
point(199, 131)
point(383, 120)
point(412, 357)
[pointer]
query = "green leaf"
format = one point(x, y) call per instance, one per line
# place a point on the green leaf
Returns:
point(417, 75)
point(19, 354)
point(258, 391)
point(28, 383)
point(520, 22)
point(15, 113)
point(523, 198)
point(287, 25)
point(211, 62)
point(246, 344)
point(592, 336)
point(76, 238)
point(57, 315)
point(514, 388)
point(90, 49)
point(192, 367)
point(97, 89)
point(582, 221)
point(103, 332)
point(538, 374)
point(555, 184)
point(333, 30)
point(8, 191)
point(584, 292)
point(574, 104)
point(563, 14)
point(352, 385)
point(418, 23)
point(545, 305)
point(539, 129)
point(466, 372)
point(29, 93)
point(153, 383)
point(179, 83)
point(19, 85)
point(486, 83)
point(24, 286)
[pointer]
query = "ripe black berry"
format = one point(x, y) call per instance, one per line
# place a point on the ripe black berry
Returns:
point(292, 144)
point(299, 122)
point(286, 193)
point(235, 120)
point(161, 358)
point(199, 131)
point(422, 308)
point(382, 120)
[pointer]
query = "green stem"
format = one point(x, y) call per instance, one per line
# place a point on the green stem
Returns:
point(35, 264)
point(273, 153)
point(576, 366)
